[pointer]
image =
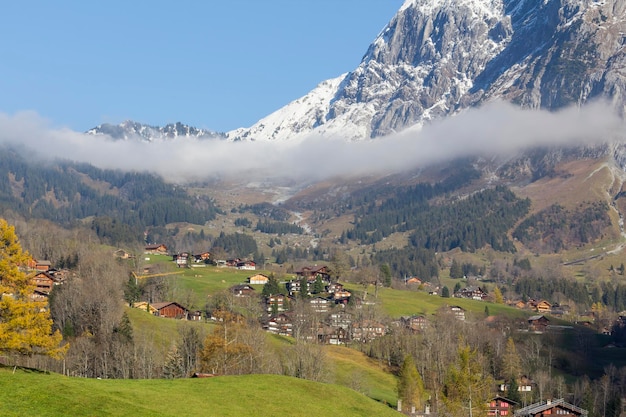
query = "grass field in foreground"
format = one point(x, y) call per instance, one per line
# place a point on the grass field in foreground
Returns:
point(31, 393)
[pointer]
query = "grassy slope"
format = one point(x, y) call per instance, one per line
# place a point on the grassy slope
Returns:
point(356, 370)
point(27, 393)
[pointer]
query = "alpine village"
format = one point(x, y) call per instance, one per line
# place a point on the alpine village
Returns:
point(486, 281)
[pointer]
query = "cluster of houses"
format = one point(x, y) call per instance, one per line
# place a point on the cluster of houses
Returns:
point(44, 278)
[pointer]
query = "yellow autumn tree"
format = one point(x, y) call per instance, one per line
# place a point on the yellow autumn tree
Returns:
point(224, 351)
point(25, 324)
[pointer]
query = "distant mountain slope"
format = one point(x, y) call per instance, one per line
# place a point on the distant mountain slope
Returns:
point(435, 58)
point(134, 130)
point(119, 205)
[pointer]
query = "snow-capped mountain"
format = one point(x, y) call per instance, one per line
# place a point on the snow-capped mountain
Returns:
point(437, 57)
point(133, 130)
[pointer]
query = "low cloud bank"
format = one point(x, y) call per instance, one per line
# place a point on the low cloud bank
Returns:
point(495, 129)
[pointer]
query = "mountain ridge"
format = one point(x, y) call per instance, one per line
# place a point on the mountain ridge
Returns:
point(435, 59)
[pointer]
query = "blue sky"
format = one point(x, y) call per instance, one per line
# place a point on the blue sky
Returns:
point(212, 64)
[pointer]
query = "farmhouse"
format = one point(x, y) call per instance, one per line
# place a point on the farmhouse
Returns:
point(171, 310)
point(260, 279)
point(158, 249)
point(538, 323)
point(247, 265)
point(242, 290)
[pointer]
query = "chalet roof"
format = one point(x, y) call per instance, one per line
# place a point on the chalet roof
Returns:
point(155, 246)
point(538, 317)
point(241, 287)
point(159, 306)
point(501, 398)
point(542, 406)
point(313, 269)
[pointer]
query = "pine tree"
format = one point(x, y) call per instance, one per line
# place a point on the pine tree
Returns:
point(318, 286)
point(271, 287)
point(304, 288)
point(445, 292)
point(25, 325)
point(410, 385)
point(385, 271)
point(456, 271)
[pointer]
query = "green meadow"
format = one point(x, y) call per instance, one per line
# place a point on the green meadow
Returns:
point(25, 392)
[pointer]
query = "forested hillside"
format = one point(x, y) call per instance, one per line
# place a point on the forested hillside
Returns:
point(121, 205)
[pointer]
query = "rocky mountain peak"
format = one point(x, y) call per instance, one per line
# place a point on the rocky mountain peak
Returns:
point(438, 57)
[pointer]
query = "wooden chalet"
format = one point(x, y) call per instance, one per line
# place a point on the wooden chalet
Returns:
point(333, 335)
point(500, 406)
point(367, 330)
point(201, 257)
point(246, 265)
point(320, 304)
point(181, 259)
point(259, 279)
point(171, 310)
point(277, 303)
point(551, 407)
point(242, 290)
point(158, 249)
point(538, 323)
point(43, 282)
point(43, 265)
point(472, 293)
point(458, 312)
point(312, 272)
point(414, 281)
point(280, 324)
point(543, 307)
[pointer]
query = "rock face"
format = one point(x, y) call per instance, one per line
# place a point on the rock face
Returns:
point(437, 57)
point(132, 130)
